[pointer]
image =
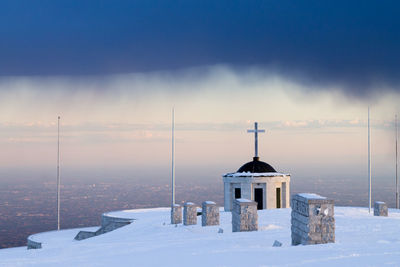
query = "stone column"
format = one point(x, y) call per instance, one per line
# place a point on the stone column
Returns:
point(286, 192)
point(313, 220)
point(227, 194)
point(246, 190)
point(380, 209)
point(244, 215)
point(285, 195)
point(176, 214)
point(271, 195)
point(209, 213)
point(189, 214)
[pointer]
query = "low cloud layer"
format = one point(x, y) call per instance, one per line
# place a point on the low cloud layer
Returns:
point(217, 94)
point(115, 120)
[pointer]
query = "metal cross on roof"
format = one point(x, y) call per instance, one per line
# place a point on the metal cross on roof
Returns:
point(256, 131)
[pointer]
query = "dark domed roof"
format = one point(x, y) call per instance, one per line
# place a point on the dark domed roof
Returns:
point(256, 166)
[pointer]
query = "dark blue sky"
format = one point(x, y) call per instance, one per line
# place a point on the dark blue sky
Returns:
point(349, 42)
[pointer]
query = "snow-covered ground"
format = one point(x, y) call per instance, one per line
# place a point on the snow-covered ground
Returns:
point(361, 240)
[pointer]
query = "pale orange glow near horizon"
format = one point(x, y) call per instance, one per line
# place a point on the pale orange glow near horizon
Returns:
point(124, 120)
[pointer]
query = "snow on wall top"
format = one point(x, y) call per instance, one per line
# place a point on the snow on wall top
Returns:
point(311, 196)
point(133, 214)
point(251, 174)
point(243, 200)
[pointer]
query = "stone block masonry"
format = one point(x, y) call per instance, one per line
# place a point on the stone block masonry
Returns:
point(244, 215)
point(108, 224)
point(189, 214)
point(176, 214)
point(313, 220)
point(209, 213)
point(380, 209)
point(33, 244)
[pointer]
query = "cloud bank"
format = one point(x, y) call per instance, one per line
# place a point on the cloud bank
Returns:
point(349, 45)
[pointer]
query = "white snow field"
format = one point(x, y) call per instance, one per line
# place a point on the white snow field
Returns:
point(361, 240)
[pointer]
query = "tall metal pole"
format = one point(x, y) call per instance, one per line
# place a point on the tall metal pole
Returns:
point(58, 175)
point(397, 179)
point(173, 157)
point(369, 165)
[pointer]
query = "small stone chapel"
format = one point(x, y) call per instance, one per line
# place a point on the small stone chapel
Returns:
point(257, 181)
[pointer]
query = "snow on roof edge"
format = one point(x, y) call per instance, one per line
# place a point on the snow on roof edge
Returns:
point(255, 174)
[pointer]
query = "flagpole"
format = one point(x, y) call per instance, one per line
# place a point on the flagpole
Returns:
point(369, 164)
point(58, 175)
point(173, 157)
point(397, 180)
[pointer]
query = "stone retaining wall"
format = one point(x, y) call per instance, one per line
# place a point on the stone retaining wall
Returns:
point(33, 244)
point(108, 224)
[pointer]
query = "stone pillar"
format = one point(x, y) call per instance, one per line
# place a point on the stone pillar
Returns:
point(246, 190)
point(288, 193)
point(271, 196)
point(244, 215)
point(285, 195)
point(380, 209)
point(283, 192)
point(189, 214)
point(227, 194)
point(209, 213)
point(313, 220)
point(176, 214)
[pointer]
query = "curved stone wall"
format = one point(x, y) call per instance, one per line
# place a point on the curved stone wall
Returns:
point(108, 224)
point(33, 244)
